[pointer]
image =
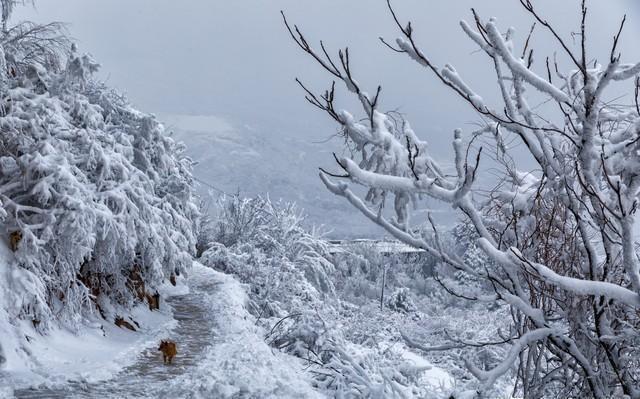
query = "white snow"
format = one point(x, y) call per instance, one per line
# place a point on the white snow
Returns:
point(93, 354)
point(239, 363)
point(96, 352)
point(429, 374)
point(235, 361)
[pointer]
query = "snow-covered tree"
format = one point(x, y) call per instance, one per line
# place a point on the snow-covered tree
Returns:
point(560, 234)
point(266, 243)
point(99, 198)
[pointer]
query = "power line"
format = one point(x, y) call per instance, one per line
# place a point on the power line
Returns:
point(211, 186)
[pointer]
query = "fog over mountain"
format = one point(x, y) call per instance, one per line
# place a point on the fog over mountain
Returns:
point(221, 75)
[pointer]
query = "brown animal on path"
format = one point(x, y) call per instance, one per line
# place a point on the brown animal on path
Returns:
point(169, 350)
point(14, 240)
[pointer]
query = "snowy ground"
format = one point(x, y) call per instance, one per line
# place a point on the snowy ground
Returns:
point(222, 354)
point(238, 363)
point(94, 353)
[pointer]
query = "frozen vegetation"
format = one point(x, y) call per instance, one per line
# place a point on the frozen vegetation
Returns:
point(306, 323)
point(532, 291)
point(330, 310)
point(554, 223)
point(96, 202)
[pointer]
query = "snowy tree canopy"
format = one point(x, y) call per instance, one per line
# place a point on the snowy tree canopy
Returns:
point(560, 234)
point(100, 199)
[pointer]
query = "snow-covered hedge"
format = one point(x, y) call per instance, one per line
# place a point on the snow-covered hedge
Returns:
point(98, 200)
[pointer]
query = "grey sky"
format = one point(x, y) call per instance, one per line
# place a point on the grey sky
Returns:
point(210, 57)
point(234, 60)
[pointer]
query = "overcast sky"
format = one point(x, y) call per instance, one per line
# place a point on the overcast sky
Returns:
point(234, 60)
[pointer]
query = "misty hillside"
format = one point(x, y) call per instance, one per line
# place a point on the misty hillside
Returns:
point(246, 160)
point(240, 159)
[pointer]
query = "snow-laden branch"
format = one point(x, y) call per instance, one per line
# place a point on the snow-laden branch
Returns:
point(342, 189)
point(518, 68)
point(489, 377)
point(396, 183)
point(625, 72)
point(577, 286)
point(559, 236)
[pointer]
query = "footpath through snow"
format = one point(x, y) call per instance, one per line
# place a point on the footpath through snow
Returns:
point(222, 354)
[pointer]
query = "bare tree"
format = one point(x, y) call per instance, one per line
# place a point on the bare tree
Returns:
point(561, 234)
point(28, 45)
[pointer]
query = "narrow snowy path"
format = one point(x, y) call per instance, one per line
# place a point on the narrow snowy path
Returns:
point(221, 354)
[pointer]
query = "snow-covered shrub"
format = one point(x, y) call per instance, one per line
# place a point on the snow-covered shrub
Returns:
point(292, 289)
point(348, 373)
point(263, 233)
point(363, 270)
point(303, 334)
point(265, 245)
point(28, 46)
point(342, 369)
point(241, 220)
point(102, 199)
point(400, 301)
point(205, 228)
point(462, 241)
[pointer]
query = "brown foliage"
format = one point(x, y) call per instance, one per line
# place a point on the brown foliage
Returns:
point(14, 239)
point(120, 322)
point(153, 300)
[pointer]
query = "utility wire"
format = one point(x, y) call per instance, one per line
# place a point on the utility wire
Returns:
point(211, 186)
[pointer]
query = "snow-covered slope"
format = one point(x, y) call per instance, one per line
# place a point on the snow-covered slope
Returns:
point(221, 354)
